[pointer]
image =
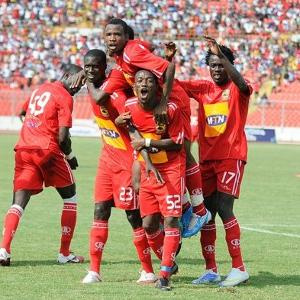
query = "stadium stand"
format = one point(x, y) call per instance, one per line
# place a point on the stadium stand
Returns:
point(38, 36)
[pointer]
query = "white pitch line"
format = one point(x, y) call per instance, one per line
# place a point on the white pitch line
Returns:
point(271, 232)
point(273, 225)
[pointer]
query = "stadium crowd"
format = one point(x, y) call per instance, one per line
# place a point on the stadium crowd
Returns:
point(36, 36)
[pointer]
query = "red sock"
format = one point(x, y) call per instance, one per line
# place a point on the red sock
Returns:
point(208, 241)
point(171, 243)
point(156, 242)
point(11, 222)
point(194, 186)
point(98, 238)
point(233, 234)
point(143, 249)
point(68, 222)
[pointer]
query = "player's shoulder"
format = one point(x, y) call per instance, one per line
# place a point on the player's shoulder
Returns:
point(131, 102)
point(132, 48)
point(172, 109)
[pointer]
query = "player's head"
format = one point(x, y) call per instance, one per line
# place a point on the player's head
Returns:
point(145, 88)
point(216, 68)
point(66, 79)
point(116, 35)
point(95, 65)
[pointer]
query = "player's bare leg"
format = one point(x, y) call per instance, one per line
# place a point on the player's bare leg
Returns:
point(192, 223)
point(68, 223)
point(11, 222)
point(142, 247)
point(238, 273)
point(98, 238)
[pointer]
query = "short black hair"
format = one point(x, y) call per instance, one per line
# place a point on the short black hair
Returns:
point(97, 53)
point(130, 32)
point(70, 69)
point(116, 21)
point(227, 52)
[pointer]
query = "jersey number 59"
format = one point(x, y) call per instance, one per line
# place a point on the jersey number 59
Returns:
point(37, 103)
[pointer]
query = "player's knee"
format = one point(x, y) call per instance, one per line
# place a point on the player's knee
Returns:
point(171, 222)
point(150, 224)
point(134, 218)
point(225, 206)
point(102, 211)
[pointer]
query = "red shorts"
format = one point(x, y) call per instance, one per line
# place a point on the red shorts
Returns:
point(222, 175)
point(162, 198)
point(33, 168)
point(113, 182)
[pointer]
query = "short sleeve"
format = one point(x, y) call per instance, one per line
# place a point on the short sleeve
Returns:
point(194, 87)
point(139, 56)
point(115, 81)
point(175, 126)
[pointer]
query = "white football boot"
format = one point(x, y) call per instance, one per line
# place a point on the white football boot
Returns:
point(146, 278)
point(91, 277)
point(235, 277)
point(71, 258)
point(4, 258)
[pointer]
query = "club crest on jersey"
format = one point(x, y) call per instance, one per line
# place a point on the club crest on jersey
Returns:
point(104, 111)
point(225, 95)
point(216, 120)
point(160, 128)
point(109, 133)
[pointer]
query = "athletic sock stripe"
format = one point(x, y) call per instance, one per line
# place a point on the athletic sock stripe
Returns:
point(153, 235)
point(192, 168)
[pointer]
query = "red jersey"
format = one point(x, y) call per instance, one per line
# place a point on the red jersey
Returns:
point(145, 124)
point(221, 118)
point(117, 147)
point(136, 56)
point(50, 107)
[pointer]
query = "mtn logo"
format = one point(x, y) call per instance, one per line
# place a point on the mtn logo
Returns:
point(215, 120)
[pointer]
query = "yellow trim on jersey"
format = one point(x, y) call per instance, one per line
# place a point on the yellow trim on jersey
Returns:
point(129, 78)
point(216, 116)
point(110, 134)
point(156, 158)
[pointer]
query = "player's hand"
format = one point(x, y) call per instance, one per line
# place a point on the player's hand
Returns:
point(78, 79)
point(123, 119)
point(73, 163)
point(170, 50)
point(138, 144)
point(160, 114)
point(151, 169)
point(213, 46)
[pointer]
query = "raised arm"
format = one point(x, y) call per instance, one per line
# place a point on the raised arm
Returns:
point(233, 73)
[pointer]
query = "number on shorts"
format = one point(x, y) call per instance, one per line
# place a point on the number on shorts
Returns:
point(126, 194)
point(229, 175)
point(37, 103)
point(173, 202)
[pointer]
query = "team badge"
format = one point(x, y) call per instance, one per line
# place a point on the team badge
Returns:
point(104, 111)
point(160, 128)
point(225, 95)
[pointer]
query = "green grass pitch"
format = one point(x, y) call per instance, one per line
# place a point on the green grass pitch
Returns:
point(268, 211)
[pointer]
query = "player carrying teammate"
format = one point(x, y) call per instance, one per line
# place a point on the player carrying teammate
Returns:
point(44, 157)
point(223, 152)
point(158, 199)
point(113, 186)
point(131, 56)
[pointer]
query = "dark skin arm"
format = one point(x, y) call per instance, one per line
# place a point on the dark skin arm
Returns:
point(233, 73)
point(164, 144)
point(124, 120)
point(160, 110)
point(65, 145)
point(97, 94)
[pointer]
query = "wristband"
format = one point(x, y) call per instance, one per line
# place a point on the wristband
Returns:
point(70, 156)
point(147, 142)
